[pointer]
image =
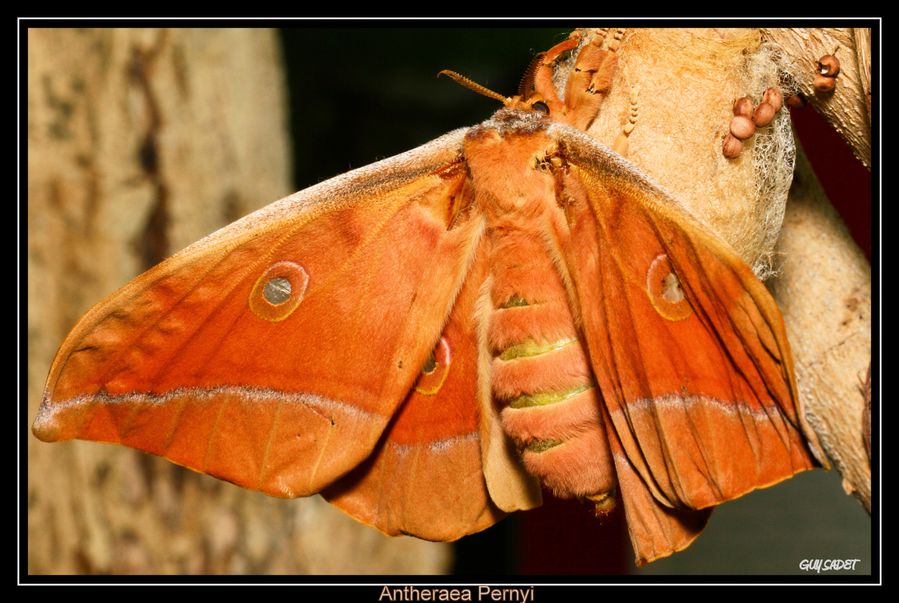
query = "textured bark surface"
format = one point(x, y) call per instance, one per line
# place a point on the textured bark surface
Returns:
point(140, 142)
point(824, 292)
point(848, 108)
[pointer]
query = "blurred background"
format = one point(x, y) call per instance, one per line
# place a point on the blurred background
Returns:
point(142, 141)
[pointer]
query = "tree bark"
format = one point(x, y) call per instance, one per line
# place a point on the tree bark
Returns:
point(848, 108)
point(141, 141)
point(824, 292)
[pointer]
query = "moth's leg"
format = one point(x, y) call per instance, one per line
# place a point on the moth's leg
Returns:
point(541, 68)
point(591, 78)
point(620, 144)
point(541, 72)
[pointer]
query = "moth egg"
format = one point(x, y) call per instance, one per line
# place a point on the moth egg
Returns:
point(742, 127)
point(732, 147)
point(829, 66)
point(774, 97)
point(796, 101)
point(743, 106)
point(824, 84)
point(763, 115)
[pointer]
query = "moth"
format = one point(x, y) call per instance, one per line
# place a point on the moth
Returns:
point(430, 341)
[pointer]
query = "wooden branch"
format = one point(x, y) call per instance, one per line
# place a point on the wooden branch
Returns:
point(848, 108)
point(824, 292)
point(862, 37)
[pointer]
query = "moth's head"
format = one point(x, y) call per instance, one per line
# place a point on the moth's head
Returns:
point(532, 102)
point(535, 103)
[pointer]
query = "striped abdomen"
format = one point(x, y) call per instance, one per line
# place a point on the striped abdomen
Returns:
point(541, 377)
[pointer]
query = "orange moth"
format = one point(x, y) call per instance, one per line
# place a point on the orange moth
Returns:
point(430, 340)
